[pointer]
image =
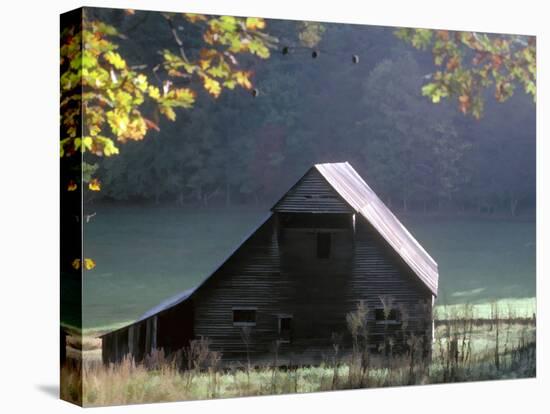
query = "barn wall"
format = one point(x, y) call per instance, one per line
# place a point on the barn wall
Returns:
point(378, 272)
point(277, 271)
point(251, 278)
point(136, 340)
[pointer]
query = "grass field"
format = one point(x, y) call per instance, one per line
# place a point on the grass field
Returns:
point(145, 255)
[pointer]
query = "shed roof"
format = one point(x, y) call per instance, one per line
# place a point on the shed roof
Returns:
point(357, 193)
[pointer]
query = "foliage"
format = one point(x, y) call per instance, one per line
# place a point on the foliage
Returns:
point(470, 62)
point(105, 100)
point(89, 263)
point(416, 155)
point(113, 94)
point(310, 33)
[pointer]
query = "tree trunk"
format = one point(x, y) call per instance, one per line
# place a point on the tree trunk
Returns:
point(227, 194)
point(513, 206)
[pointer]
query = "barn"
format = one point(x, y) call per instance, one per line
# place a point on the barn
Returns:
point(326, 245)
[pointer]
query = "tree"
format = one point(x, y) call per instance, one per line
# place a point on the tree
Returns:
point(412, 149)
point(113, 93)
point(105, 101)
point(468, 63)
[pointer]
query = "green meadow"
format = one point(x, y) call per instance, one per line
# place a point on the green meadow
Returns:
point(147, 254)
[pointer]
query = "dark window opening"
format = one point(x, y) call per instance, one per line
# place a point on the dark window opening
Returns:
point(244, 317)
point(323, 245)
point(394, 316)
point(318, 220)
point(285, 328)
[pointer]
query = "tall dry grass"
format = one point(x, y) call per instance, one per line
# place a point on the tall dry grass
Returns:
point(465, 349)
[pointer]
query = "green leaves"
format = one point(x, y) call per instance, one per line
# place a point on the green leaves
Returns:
point(115, 59)
point(419, 38)
point(434, 91)
point(212, 86)
point(217, 66)
point(472, 62)
point(102, 96)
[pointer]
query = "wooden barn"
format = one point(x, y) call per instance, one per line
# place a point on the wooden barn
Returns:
point(326, 245)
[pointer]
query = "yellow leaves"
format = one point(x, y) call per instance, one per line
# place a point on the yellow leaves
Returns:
point(212, 86)
point(62, 143)
point(194, 18)
point(94, 130)
point(137, 128)
point(127, 126)
point(89, 264)
point(72, 186)
point(153, 92)
point(115, 59)
point(168, 112)
point(178, 97)
point(204, 63)
point(102, 96)
point(184, 97)
point(122, 124)
point(83, 143)
point(87, 143)
point(254, 23)
point(141, 82)
point(107, 145)
point(94, 185)
point(243, 80)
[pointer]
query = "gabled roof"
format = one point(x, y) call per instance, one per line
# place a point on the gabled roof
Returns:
point(357, 193)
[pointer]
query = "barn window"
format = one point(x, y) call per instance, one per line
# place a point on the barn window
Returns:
point(323, 245)
point(244, 316)
point(393, 317)
point(285, 328)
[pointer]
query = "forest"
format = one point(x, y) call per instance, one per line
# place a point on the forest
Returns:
point(317, 92)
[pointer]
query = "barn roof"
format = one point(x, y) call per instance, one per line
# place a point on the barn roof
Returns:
point(357, 193)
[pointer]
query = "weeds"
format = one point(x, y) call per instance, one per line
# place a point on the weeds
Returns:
point(464, 349)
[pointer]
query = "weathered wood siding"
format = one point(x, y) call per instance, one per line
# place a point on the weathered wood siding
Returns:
point(312, 194)
point(379, 272)
point(250, 278)
point(278, 272)
point(136, 340)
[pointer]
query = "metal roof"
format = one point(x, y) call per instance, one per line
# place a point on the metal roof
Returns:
point(357, 193)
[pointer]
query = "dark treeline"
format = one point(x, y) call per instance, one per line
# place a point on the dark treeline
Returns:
point(242, 150)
